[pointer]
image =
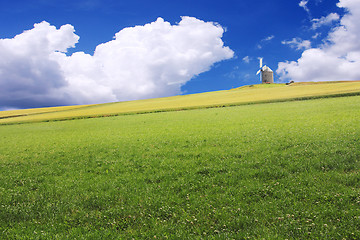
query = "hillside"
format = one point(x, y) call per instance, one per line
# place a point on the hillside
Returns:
point(244, 95)
point(286, 170)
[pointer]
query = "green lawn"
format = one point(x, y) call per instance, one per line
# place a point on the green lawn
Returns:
point(274, 171)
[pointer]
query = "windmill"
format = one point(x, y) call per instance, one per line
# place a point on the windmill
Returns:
point(266, 74)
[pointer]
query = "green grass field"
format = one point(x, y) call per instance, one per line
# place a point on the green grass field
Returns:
point(240, 96)
point(287, 170)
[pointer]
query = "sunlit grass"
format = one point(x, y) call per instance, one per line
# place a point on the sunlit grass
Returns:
point(240, 96)
point(274, 171)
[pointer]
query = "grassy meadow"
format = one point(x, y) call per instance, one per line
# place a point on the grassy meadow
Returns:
point(261, 93)
point(276, 171)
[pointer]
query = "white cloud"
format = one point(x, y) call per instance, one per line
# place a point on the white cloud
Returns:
point(317, 35)
point(246, 59)
point(147, 61)
point(298, 43)
point(303, 4)
point(337, 59)
point(264, 41)
point(269, 38)
point(27, 70)
point(328, 20)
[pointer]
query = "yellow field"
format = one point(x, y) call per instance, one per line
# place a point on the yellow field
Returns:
point(243, 95)
point(25, 112)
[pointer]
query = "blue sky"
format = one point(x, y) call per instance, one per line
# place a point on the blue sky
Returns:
point(280, 31)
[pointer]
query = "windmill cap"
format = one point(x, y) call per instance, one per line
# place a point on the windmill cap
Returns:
point(266, 69)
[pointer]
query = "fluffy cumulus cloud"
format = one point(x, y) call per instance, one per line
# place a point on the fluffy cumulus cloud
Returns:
point(338, 58)
point(147, 61)
point(27, 70)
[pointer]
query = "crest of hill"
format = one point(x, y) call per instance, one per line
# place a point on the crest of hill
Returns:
point(250, 94)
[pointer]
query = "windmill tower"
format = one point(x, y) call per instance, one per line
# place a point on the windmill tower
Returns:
point(266, 74)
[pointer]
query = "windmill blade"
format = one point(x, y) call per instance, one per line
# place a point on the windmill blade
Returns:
point(261, 62)
point(258, 72)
